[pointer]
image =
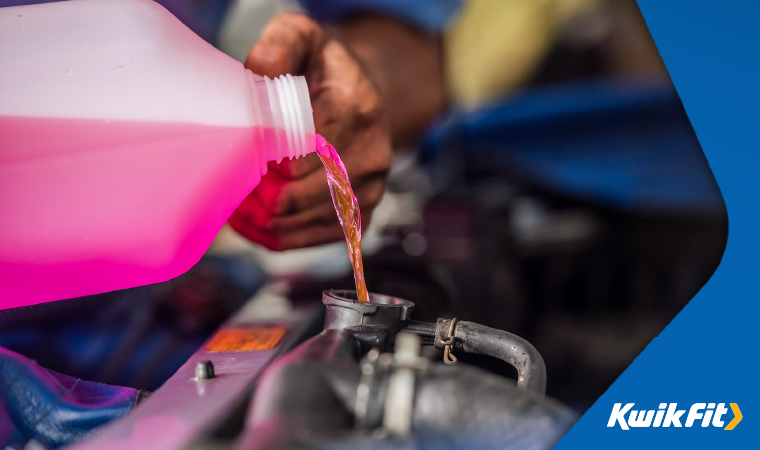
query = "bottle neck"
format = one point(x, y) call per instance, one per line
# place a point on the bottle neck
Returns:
point(283, 108)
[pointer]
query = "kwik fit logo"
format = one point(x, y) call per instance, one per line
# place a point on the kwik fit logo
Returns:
point(667, 415)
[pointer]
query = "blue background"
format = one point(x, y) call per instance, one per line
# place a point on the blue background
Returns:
point(708, 352)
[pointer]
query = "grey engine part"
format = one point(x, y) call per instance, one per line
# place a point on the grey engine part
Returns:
point(359, 384)
point(343, 387)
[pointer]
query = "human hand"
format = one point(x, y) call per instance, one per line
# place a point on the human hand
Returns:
point(291, 207)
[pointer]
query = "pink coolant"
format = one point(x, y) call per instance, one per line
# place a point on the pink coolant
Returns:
point(347, 208)
point(126, 141)
point(79, 220)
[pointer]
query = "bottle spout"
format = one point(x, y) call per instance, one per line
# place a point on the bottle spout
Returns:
point(284, 108)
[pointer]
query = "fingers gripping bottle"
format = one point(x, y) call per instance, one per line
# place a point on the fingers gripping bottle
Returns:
point(126, 141)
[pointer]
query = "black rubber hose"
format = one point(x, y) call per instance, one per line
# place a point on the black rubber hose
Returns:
point(425, 330)
point(474, 338)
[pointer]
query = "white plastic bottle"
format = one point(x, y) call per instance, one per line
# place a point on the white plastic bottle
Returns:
point(126, 141)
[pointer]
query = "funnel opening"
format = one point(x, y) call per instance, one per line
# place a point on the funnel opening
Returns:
point(375, 299)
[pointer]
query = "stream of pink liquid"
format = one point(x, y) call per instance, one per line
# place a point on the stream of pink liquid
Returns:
point(347, 208)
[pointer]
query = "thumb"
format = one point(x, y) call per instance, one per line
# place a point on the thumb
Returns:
point(287, 44)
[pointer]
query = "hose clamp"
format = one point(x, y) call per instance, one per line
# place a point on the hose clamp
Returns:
point(447, 341)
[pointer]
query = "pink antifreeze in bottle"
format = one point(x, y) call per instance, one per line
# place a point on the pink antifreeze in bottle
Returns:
point(126, 141)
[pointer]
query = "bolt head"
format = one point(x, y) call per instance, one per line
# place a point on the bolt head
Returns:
point(204, 370)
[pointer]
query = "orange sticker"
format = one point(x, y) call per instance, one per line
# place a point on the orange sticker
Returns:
point(245, 339)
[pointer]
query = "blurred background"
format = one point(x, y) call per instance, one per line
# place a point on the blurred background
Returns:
point(546, 181)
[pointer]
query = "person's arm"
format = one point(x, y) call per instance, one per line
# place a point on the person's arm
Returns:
point(291, 207)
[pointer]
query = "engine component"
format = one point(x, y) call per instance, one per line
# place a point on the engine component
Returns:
point(360, 383)
point(386, 315)
point(343, 387)
point(191, 404)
